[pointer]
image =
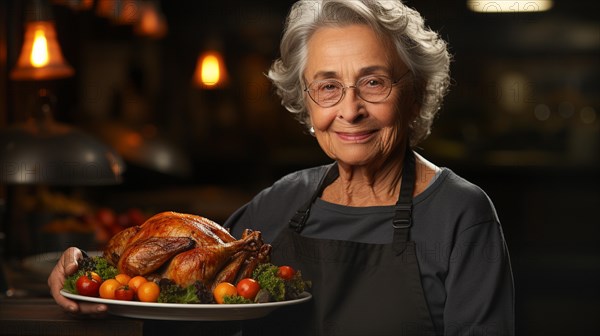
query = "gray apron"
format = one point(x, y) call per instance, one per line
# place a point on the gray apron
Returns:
point(358, 288)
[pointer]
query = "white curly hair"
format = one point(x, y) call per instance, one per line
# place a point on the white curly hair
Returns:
point(422, 50)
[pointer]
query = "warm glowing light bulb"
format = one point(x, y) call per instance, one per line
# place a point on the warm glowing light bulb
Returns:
point(40, 57)
point(39, 52)
point(210, 70)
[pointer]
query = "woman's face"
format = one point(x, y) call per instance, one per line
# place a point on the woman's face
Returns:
point(353, 131)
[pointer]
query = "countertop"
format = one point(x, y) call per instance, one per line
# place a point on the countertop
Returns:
point(39, 316)
point(42, 316)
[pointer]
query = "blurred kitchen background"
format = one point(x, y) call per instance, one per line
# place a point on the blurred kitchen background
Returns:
point(521, 120)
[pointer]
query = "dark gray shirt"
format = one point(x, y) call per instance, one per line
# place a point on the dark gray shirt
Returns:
point(461, 251)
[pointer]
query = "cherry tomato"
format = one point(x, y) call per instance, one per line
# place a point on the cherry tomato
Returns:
point(285, 272)
point(108, 288)
point(136, 281)
point(222, 290)
point(87, 285)
point(122, 278)
point(148, 292)
point(248, 288)
point(124, 293)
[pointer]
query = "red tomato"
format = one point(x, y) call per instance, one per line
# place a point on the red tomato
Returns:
point(248, 288)
point(285, 272)
point(124, 293)
point(87, 285)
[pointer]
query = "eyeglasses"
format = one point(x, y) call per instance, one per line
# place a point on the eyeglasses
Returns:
point(371, 88)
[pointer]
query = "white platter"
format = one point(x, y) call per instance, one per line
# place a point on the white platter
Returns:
point(188, 312)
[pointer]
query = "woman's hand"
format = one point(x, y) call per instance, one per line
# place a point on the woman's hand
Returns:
point(67, 265)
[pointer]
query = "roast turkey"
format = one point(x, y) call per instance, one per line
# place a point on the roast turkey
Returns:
point(186, 248)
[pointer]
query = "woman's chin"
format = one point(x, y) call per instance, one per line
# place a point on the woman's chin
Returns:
point(357, 159)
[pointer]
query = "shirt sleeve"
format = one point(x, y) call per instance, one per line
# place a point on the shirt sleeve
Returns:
point(238, 221)
point(479, 284)
point(271, 209)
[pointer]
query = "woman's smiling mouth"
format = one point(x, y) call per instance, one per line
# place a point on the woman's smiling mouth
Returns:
point(355, 136)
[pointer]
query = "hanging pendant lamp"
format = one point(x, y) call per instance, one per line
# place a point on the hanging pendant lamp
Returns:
point(41, 57)
point(44, 151)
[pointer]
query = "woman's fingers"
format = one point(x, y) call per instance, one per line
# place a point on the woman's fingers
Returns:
point(92, 308)
point(67, 265)
point(58, 275)
point(69, 260)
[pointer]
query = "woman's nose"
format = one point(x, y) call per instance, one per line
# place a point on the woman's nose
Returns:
point(352, 107)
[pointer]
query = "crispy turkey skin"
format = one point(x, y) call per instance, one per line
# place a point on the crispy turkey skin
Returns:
point(185, 248)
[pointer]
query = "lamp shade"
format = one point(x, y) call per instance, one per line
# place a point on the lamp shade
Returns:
point(144, 147)
point(41, 57)
point(43, 151)
point(63, 156)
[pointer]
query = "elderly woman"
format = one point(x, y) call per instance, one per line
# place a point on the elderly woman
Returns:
point(393, 244)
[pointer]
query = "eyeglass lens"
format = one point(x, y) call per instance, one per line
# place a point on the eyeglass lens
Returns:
point(329, 92)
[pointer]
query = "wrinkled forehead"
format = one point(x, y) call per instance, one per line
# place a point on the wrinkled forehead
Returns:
point(349, 50)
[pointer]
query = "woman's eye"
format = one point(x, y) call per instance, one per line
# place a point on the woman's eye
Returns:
point(373, 82)
point(328, 87)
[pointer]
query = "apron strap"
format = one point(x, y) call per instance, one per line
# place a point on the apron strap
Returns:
point(403, 215)
point(299, 219)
